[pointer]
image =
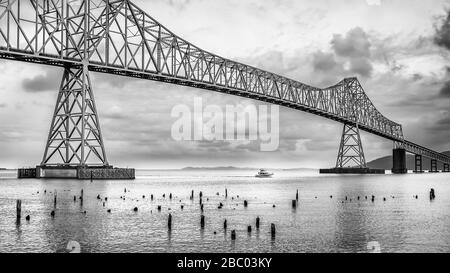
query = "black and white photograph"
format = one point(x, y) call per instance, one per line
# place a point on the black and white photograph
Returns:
point(248, 128)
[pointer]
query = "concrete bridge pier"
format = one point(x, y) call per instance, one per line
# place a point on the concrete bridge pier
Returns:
point(446, 168)
point(418, 164)
point(434, 168)
point(399, 161)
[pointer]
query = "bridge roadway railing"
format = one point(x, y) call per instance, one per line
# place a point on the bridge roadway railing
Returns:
point(423, 151)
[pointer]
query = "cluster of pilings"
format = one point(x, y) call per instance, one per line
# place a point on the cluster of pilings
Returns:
point(399, 163)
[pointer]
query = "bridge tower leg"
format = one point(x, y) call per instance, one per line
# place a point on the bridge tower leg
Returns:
point(434, 168)
point(446, 168)
point(418, 164)
point(75, 138)
point(351, 153)
point(399, 161)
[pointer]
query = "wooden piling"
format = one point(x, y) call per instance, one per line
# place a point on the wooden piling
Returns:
point(296, 196)
point(272, 230)
point(192, 195)
point(233, 235)
point(257, 222)
point(245, 203)
point(19, 209)
point(225, 224)
point(74, 198)
point(54, 200)
point(169, 222)
point(294, 204)
point(202, 221)
point(249, 229)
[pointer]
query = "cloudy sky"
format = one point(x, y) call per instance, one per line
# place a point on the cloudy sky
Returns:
point(399, 50)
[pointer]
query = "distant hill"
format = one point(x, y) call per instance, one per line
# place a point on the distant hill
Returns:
point(386, 162)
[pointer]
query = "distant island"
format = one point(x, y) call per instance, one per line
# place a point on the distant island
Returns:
point(386, 162)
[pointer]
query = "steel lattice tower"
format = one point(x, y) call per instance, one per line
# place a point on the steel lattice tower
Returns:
point(351, 153)
point(75, 136)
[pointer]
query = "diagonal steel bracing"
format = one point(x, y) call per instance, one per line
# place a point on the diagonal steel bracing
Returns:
point(75, 138)
point(117, 37)
point(351, 152)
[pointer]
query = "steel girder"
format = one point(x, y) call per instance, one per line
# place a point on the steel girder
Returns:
point(117, 37)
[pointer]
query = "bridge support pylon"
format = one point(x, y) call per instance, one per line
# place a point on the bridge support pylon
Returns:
point(434, 167)
point(446, 168)
point(351, 159)
point(75, 147)
point(418, 164)
point(399, 161)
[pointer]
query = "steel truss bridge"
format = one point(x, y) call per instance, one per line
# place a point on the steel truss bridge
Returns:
point(117, 37)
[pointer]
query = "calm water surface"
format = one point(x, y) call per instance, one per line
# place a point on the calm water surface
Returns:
point(319, 224)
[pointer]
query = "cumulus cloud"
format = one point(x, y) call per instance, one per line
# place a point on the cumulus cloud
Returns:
point(49, 81)
point(350, 55)
point(442, 37)
point(445, 91)
point(354, 44)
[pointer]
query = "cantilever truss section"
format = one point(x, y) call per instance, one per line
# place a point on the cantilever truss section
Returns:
point(351, 152)
point(119, 38)
point(75, 137)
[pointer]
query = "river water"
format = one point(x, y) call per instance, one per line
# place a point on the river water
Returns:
point(324, 220)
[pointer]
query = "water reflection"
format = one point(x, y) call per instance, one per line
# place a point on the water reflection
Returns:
point(318, 224)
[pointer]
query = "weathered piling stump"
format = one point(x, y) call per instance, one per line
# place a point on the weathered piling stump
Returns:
point(233, 235)
point(272, 230)
point(19, 209)
point(28, 218)
point(225, 224)
point(82, 195)
point(201, 207)
point(192, 195)
point(169, 222)
point(296, 196)
point(373, 198)
point(294, 204)
point(159, 208)
point(52, 214)
point(54, 200)
point(182, 207)
point(151, 197)
point(135, 209)
point(257, 222)
point(249, 229)
point(202, 221)
point(108, 211)
point(432, 194)
point(74, 198)
point(170, 196)
point(245, 203)
point(226, 193)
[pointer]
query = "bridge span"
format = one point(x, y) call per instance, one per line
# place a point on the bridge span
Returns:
point(117, 37)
